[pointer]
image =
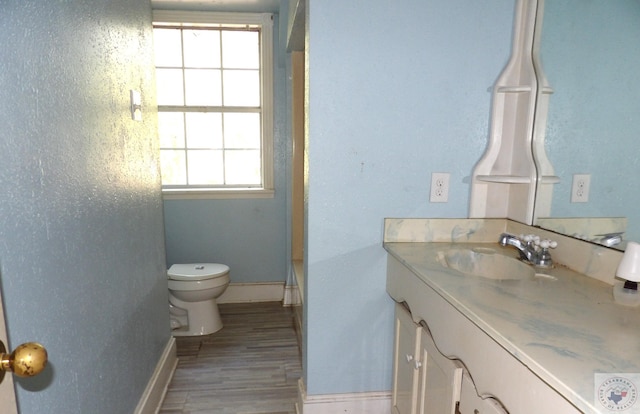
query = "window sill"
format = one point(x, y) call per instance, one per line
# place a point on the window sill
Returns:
point(200, 194)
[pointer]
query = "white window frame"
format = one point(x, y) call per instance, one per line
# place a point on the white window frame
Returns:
point(265, 20)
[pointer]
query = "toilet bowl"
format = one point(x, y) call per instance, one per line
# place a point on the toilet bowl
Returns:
point(193, 290)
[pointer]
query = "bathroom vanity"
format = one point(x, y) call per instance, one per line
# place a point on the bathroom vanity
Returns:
point(521, 340)
point(476, 325)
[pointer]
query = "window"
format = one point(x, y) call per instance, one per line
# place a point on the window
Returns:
point(214, 93)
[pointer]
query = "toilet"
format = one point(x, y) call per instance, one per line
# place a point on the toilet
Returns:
point(193, 290)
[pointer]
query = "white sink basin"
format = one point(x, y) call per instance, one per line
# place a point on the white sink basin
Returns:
point(486, 263)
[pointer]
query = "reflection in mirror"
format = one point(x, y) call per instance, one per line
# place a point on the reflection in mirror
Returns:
point(590, 52)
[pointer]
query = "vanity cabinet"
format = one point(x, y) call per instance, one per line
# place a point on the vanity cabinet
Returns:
point(406, 365)
point(424, 381)
point(471, 403)
point(492, 374)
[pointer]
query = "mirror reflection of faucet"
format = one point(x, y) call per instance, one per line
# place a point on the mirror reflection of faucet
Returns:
point(610, 239)
point(605, 239)
point(532, 249)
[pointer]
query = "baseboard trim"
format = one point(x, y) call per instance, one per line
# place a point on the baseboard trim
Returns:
point(355, 403)
point(298, 273)
point(253, 292)
point(156, 389)
point(291, 296)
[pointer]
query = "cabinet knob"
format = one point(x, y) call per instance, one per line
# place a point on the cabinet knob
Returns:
point(417, 364)
point(409, 358)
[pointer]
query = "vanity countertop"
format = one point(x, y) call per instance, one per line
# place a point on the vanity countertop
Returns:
point(564, 328)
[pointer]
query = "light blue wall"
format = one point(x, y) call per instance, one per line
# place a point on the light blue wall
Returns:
point(82, 261)
point(591, 54)
point(397, 90)
point(248, 235)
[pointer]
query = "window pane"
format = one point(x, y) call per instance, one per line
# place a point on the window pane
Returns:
point(204, 130)
point(202, 48)
point(241, 88)
point(171, 129)
point(167, 47)
point(205, 167)
point(173, 167)
point(242, 131)
point(242, 167)
point(209, 80)
point(169, 87)
point(240, 50)
point(203, 87)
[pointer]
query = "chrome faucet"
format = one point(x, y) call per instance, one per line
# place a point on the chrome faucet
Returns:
point(532, 250)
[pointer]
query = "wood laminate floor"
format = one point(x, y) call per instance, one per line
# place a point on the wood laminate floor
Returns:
point(251, 366)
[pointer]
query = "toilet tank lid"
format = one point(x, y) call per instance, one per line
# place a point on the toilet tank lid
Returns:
point(197, 271)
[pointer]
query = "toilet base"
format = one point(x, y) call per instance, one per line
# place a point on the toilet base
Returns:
point(203, 318)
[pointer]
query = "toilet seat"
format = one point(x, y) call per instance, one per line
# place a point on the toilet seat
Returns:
point(197, 271)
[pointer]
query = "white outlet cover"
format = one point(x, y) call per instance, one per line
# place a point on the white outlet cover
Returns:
point(439, 187)
point(580, 188)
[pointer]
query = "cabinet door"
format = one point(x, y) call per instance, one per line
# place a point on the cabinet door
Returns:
point(440, 379)
point(405, 363)
point(471, 403)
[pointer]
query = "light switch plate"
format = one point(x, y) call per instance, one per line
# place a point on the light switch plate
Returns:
point(136, 105)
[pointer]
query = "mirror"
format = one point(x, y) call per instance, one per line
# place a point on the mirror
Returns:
point(590, 54)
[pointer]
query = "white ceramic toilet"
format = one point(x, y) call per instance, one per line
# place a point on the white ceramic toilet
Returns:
point(193, 290)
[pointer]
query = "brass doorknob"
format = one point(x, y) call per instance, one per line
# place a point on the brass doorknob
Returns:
point(26, 360)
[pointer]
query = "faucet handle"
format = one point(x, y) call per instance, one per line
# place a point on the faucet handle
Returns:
point(548, 244)
point(544, 256)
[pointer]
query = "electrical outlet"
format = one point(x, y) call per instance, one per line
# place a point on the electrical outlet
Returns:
point(580, 188)
point(439, 187)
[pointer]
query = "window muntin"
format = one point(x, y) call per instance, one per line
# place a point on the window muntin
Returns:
point(214, 104)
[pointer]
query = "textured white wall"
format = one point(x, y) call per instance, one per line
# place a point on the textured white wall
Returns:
point(82, 261)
